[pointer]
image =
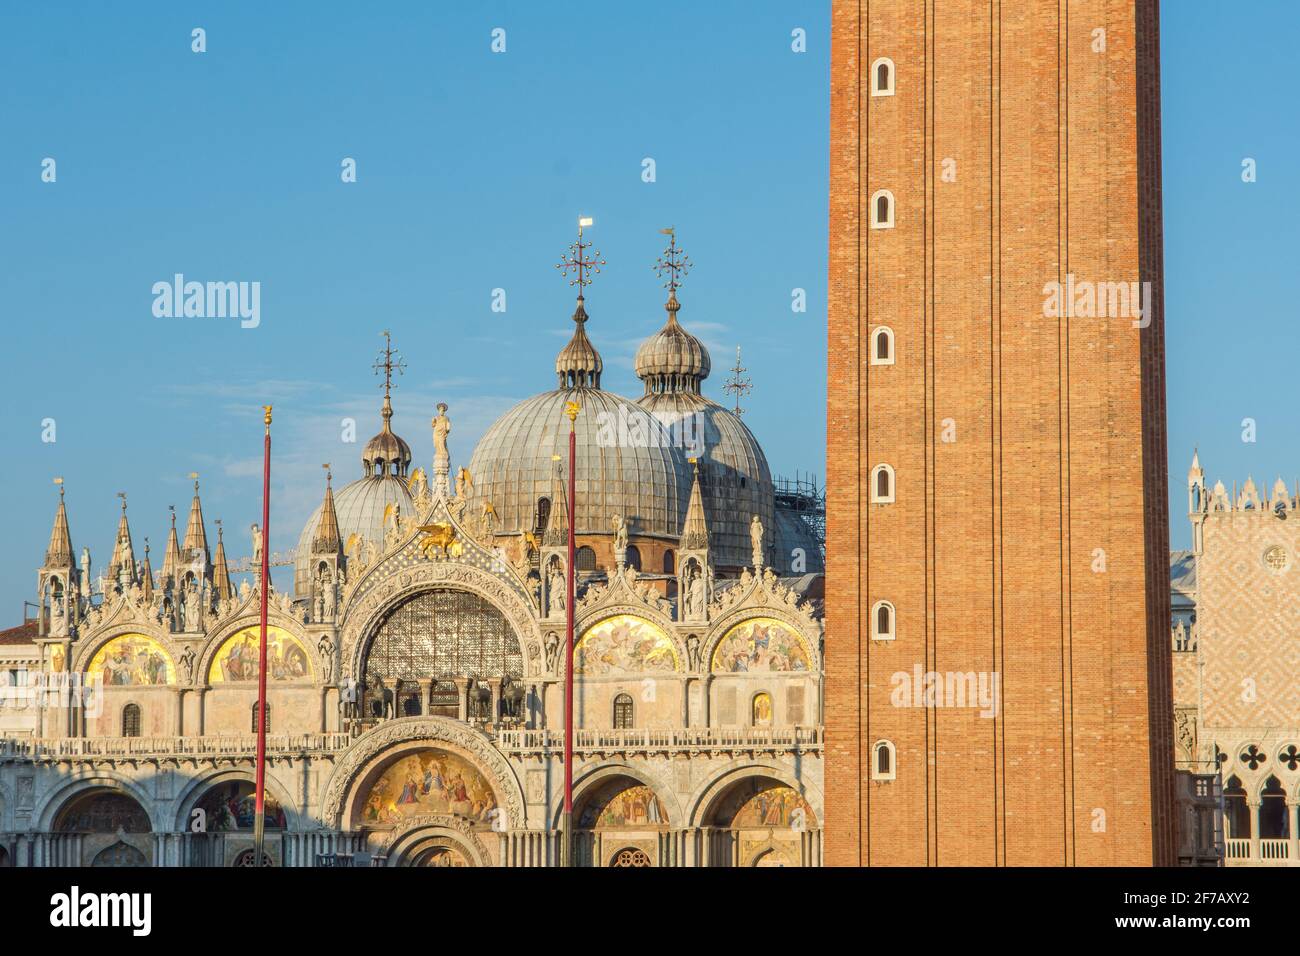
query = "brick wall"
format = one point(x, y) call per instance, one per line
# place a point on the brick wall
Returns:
point(1033, 546)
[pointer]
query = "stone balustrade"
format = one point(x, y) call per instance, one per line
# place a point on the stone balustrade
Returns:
point(689, 739)
point(99, 748)
point(512, 742)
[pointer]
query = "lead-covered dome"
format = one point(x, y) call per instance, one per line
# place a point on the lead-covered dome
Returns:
point(626, 465)
point(672, 359)
point(734, 474)
point(387, 453)
point(361, 505)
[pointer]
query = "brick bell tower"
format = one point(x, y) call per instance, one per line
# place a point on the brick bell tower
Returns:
point(997, 489)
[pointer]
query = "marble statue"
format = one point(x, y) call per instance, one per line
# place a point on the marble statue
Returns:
point(58, 616)
point(557, 589)
point(85, 573)
point(419, 485)
point(326, 649)
point(620, 540)
point(756, 541)
point(441, 457)
point(696, 589)
point(187, 664)
point(190, 609)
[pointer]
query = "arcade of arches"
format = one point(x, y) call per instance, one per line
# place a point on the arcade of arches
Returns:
point(416, 693)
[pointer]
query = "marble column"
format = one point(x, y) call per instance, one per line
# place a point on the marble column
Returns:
point(1293, 832)
point(1254, 829)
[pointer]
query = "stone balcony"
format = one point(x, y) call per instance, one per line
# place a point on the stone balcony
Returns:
point(688, 740)
point(1262, 852)
point(588, 742)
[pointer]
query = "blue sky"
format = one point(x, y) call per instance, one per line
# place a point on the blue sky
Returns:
point(1231, 278)
point(472, 168)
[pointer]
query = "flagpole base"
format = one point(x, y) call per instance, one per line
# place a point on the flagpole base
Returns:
point(566, 839)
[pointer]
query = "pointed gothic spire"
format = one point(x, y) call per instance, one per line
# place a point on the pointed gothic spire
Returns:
point(220, 569)
point(695, 533)
point(327, 539)
point(557, 523)
point(1195, 471)
point(146, 574)
point(196, 536)
point(172, 556)
point(59, 553)
point(123, 552)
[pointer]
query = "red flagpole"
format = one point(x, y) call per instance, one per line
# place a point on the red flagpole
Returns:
point(567, 821)
point(259, 820)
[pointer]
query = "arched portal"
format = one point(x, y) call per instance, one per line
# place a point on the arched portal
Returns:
point(421, 804)
point(619, 822)
point(427, 644)
point(759, 821)
point(440, 856)
point(218, 822)
point(106, 827)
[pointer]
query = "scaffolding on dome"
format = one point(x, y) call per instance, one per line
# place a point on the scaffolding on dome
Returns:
point(804, 497)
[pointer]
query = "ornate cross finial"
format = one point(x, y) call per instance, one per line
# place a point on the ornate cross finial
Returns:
point(218, 532)
point(59, 482)
point(737, 384)
point(577, 261)
point(390, 361)
point(122, 495)
point(328, 473)
point(172, 509)
point(674, 263)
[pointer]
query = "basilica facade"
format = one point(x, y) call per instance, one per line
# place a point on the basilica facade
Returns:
point(415, 670)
